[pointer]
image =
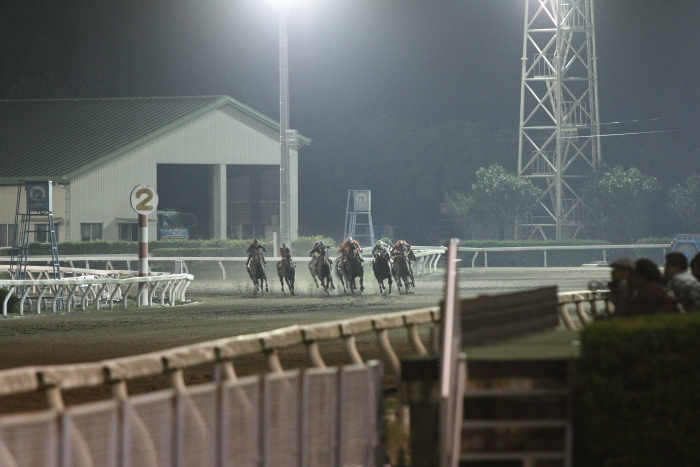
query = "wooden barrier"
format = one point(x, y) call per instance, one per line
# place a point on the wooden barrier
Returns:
point(487, 318)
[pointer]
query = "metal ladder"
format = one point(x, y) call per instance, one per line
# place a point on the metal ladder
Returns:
point(363, 231)
point(22, 237)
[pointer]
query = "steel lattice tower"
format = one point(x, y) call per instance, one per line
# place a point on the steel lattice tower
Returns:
point(559, 141)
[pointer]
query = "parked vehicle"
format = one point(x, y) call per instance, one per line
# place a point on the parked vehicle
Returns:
point(175, 225)
point(688, 244)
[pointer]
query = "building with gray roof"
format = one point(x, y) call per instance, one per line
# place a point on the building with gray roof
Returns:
point(209, 156)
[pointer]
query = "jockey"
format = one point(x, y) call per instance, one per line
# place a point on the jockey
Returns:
point(284, 251)
point(402, 247)
point(253, 249)
point(347, 245)
point(380, 249)
point(319, 247)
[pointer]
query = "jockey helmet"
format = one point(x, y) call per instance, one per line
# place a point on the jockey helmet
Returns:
point(284, 245)
point(348, 239)
point(255, 241)
point(321, 244)
point(379, 243)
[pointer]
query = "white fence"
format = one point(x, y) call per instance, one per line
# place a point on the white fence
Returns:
point(544, 249)
point(321, 417)
point(318, 416)
point(427, 259)
point(576, 309)
point(92, 289)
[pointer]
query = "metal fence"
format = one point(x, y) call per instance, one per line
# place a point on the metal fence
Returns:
point(603, 249)
point(325, 416)
point(93, 289)
point(321, 417)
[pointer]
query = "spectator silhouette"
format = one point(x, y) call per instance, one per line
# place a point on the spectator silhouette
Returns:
point(682, 286)
point(647, 295)
point(619, 284)
point(695, 266)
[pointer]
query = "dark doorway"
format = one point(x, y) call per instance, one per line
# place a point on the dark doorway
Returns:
point(187, 188)
point(253, 200)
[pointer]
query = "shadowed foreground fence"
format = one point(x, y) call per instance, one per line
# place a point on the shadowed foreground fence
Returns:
point(318, 416)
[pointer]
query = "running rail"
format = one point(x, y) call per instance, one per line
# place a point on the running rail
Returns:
point(578, 308)
point(222, 353)
point(81, 290)
point(427, 256)
point(52, 380)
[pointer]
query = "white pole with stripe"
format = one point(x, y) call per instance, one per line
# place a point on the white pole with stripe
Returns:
point(144, 200)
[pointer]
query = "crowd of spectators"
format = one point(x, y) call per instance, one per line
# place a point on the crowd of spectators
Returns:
point(637, 287)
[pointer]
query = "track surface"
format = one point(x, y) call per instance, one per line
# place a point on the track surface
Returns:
point(228, 308)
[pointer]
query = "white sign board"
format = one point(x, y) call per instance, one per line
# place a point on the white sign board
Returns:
point(361, 200)
point(144, 199)
point(39, 196)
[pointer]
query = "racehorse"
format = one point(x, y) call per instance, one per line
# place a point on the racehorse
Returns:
point(286, 272)
point(350, 270)
point(256, 271)
point(401, 271)
point(322, 270)
point(382, 270)
point(340, 273)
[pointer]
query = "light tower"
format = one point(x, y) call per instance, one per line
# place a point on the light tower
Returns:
point(559, 140)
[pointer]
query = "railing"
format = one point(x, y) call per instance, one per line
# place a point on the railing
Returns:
point(320, 416)
point(84, 290)
point(578, 308)
point(224, 351)
point(428, 258)
point(232, 417)
point(545, 249)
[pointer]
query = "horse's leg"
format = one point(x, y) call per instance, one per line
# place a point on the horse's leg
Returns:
point(281, 278)
point(397, 279)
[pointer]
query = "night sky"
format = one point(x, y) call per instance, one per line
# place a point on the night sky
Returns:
point(421, 61)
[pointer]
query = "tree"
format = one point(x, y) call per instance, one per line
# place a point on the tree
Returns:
point(458, 207)
point(623, 203)
point(499, 197)
point(684, 201)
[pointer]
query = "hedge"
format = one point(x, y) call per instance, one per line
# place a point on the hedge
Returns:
point(12, 303)
point(637, 392)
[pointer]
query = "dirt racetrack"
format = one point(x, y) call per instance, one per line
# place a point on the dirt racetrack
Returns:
point(228, 308)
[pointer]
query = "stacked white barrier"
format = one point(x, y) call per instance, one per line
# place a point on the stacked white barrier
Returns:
point(92, 289)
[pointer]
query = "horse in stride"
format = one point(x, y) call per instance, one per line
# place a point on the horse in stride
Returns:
point(401, 271)
point(286, 271)
point(256, 271)
point(350, 270)
point(320, 267)
point(382, 271)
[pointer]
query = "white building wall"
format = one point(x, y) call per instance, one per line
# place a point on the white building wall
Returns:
point(222, 136)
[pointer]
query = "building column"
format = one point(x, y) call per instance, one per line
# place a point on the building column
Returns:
point(294, 193)
point(219, 201)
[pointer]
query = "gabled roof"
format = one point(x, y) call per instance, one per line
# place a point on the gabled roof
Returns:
point(49, 138)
